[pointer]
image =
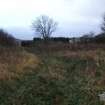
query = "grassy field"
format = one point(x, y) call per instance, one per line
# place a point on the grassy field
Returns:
point(46, 76)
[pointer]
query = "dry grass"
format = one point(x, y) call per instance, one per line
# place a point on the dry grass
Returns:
point(94, 55)
point(63, 77)
point(14, 62)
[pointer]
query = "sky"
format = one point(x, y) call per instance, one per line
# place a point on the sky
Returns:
point(74, 17)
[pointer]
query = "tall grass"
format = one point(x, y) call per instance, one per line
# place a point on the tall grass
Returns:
point(61, 77)
point(14, 61)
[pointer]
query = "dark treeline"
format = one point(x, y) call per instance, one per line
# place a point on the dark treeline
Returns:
point(37, 40)
point(53, 39)
point(85, 39)
point(6, 39)
point(96, 39)
point(27, 43)
point(89, 38)
point(100, 38)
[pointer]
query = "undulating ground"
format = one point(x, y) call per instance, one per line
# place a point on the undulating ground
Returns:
point(36, 76)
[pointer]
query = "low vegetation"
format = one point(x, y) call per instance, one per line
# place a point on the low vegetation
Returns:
point(38, 76)
point(14, 62)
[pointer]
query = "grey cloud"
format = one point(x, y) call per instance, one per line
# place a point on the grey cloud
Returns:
point(74, 16)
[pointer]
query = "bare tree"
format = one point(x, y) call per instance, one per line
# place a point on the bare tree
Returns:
point(103, 24)
point(44, 26)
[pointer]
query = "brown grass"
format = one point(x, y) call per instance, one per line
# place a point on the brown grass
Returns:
point(14, 62)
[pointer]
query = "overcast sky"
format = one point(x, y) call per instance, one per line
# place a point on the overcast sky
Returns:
point(75, 17)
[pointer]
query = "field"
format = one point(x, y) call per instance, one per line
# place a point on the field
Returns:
point(51, 75)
